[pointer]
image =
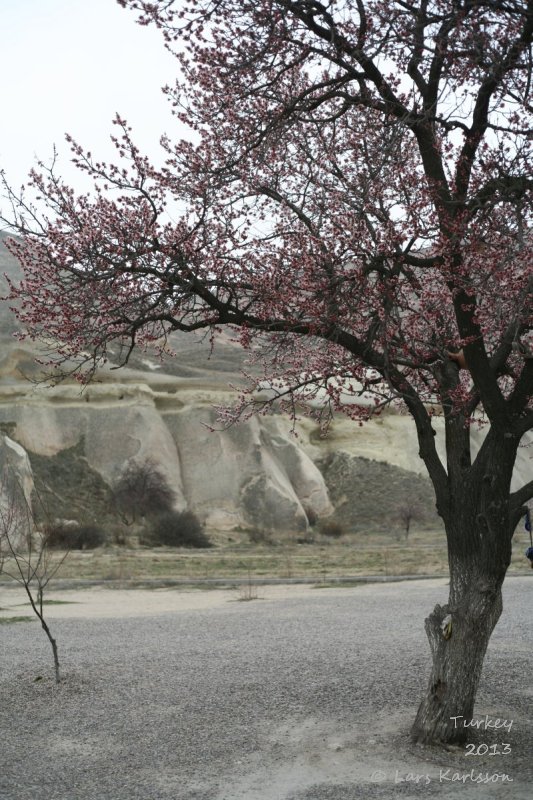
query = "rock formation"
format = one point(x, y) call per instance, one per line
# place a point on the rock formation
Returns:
point(252, 475)
point(16, 486)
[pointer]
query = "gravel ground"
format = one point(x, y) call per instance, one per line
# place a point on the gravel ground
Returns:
point(305, 697)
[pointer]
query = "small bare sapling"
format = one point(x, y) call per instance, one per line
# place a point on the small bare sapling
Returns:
point(24, 552)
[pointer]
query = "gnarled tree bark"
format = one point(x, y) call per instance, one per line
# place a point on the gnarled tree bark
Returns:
point(479, 528)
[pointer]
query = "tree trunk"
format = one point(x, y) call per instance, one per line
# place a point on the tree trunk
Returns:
point(474, 504)
point(458, 636)
point(54, 650)
point(38, 609)
point(479, 553)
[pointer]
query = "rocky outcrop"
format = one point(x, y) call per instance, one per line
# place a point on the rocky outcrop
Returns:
point(117, 424)
point(249, 474)
point(16, 486)
point(356, 484)
point(157, 414)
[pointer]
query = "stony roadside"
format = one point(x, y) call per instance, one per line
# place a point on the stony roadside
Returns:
point(305, 694)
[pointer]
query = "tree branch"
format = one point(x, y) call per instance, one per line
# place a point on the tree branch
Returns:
point(521, 496)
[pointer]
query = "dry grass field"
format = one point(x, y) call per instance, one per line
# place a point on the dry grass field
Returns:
point(235, 557)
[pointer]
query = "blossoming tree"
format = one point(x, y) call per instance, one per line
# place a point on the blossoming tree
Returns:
point(354, 199)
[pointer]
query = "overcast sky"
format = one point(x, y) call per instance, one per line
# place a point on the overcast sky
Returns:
point(69, 66)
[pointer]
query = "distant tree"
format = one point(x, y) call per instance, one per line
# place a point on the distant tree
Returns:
point(410, 511)
point(141, 491)
point(357, 202)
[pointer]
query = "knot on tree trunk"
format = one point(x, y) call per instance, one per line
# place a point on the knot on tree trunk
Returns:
point(438, 627)
point(482, 522)
point(458, 635)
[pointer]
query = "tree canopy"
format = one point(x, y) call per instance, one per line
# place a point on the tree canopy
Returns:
point(354, 198)
point(358, 173)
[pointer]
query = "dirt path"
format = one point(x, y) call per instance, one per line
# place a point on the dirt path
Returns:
point(97, 602)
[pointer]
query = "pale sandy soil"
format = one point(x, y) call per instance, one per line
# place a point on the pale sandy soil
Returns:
point(98, 602)
point(303, 694)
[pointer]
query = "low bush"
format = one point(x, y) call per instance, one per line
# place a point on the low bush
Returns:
point(176, 529)
point(89, 536)
point(331, 528)
point(69, 537)
point(59, 537)
point(260, 536)
point(307, 538)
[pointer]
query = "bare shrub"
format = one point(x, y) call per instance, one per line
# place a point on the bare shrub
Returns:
point(247, 591)
point(78, 537)
point(410, 511)
point(177, 529)
point(331, 528)
point(260, 536)
point(141, 491)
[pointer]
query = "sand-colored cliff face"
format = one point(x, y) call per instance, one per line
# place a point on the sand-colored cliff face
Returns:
point(16, 486)
point(251, 474)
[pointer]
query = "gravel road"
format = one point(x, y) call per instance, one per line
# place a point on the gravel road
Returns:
point(302, 697)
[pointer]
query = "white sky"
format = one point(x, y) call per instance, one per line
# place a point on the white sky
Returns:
point(69, 66)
